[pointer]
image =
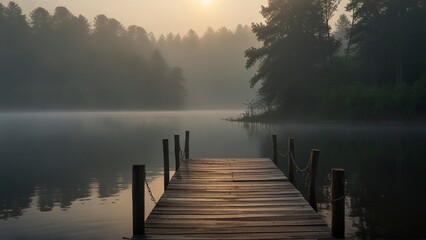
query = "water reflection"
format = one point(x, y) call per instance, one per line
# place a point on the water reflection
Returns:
point(69, 174)
point(54, 165)
point(56, 158)
point(384, 174)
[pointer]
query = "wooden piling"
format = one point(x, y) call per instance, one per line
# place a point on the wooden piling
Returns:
point(177, 152)
point(291, 156)
point(338, 202)
point(187, 145)
point(275, 150)
point(166, 162)
point(138, 199)
point(312, 179)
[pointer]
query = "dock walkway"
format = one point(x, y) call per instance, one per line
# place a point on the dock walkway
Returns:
point(233, 199)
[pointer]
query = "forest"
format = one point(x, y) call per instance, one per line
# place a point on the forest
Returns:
point(372, 67)
point(214, 65)
point(61, 61)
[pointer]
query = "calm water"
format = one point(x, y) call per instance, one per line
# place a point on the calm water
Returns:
point(68, 175)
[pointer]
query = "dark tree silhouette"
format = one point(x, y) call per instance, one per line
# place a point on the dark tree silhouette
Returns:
point(295, 44)
point(390, 37)
point(387, 64)
point(59, 62)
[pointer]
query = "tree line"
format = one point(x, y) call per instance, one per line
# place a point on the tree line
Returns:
point(213, 63)
point(372, 67)
point(61, 61)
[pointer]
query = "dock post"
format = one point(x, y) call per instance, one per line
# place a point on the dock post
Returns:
point(166, 162)
point(338, 202)
point(312, 179)
point(177, 151)
point(275, 150)
point(290, 160)
point(138, 199)
point(187, 145)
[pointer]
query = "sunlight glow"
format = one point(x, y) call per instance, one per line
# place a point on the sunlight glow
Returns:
point(207, 2)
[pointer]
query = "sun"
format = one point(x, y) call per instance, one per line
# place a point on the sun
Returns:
point(207, 2)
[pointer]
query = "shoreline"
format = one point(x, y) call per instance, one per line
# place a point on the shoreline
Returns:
point(260, 119)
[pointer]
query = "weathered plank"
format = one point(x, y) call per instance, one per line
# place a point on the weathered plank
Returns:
point(232, 199)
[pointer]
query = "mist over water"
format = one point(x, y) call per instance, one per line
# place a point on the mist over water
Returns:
point(72, 170)
point(68, 174)
point(84, 99)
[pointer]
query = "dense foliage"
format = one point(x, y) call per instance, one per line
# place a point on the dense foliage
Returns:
point(60, 61)
point(372, 67)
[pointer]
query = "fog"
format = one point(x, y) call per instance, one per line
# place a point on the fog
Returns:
point(62, 60)
point(56, 59)
point(90, 88)
point(160, 16)
point(214, 65)
point(310, 66)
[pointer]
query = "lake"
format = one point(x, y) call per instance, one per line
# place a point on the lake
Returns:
point(67, 175)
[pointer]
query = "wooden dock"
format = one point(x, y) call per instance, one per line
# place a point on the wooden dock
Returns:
point(233, 199)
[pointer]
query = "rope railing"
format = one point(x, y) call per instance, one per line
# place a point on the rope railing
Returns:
point(303, 171)
point(331, 199)
point(181, 159)
point(338, 199)
point(181, 155)
point(150, 192)
point(281, 154)
point(308, 172)
point(298, 168)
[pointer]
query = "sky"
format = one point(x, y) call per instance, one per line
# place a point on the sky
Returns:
point(162, 16)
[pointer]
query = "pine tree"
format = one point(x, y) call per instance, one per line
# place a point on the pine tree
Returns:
point(295, 47)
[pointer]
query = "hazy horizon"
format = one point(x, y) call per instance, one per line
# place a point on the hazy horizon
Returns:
point(177, 18)
point(212, 61)
point(90, 88)
point(161, 16)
